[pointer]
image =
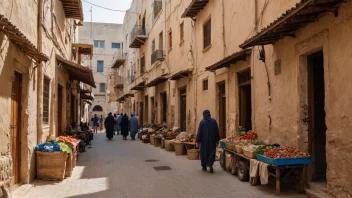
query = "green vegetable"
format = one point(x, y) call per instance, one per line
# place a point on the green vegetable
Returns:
point(64, 148)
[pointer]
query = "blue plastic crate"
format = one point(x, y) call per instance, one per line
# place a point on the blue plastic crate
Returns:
point(284, 161)
point(222, 144)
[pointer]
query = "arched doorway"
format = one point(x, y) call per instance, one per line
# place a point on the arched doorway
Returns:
point(97, 108)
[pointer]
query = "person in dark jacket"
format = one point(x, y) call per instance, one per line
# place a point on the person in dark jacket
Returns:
point(125, 126)
point(109, 126)
point(207, 137)
point(134, 126)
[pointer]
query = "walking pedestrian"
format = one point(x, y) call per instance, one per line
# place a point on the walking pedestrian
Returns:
point(125, 126)
point(118, 122)
point(207, 137)
point(101, 121)
point(91, 124)
point(109, 126)
point(134, 126)
point(95, 123)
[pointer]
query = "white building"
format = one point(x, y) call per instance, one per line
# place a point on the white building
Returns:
point(107, 39)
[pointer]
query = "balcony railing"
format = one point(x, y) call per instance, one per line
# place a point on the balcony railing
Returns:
point(158, 55)
point(118, 59)
point(138, 36)
point(119, 81)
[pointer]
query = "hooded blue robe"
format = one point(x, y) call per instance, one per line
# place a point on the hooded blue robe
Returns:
point(118, 122)
point(208, 136)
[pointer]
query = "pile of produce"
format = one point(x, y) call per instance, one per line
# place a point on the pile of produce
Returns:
point(54, 146)
point(171, 134)
point(249, 136)
point(185, 137)
point(241, 131)
point(67, 139)
point(262, 149)
point(285, 152)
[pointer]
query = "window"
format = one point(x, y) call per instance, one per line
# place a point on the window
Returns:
point(161, 41)
point(153, 46)
point(170, 39)
point(207, 34)
point(142, 64)
point(181, 32)
point(46, 91)
point(205, 84)
point(100, 66)
point(115, 45)
point(99, 44)
point(102, 87)
point(157, 6)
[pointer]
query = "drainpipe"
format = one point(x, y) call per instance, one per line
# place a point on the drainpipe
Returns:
point(40, 74)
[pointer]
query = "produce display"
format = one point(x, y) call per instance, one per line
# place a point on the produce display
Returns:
point(249, 136)
point(185, 137)
point(285, 152)
point(262, 149)
point(54, 146)
point(67, 139)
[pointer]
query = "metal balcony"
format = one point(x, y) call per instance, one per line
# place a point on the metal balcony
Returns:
point(118, 59)
point(158, 55)
point(119, 82)
point(138, 36)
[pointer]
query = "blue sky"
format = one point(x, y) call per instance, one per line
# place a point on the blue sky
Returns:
point(103, 15)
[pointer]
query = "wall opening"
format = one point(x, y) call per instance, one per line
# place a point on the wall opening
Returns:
point(222, 109)
point(183, 109)
point(245, 100)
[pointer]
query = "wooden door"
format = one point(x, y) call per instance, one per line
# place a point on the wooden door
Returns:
point(15, 124)
point(152, 109)
point(183, 109)
point(141, 113)
point(146, 100)
point(222, 110)
point(59, 110)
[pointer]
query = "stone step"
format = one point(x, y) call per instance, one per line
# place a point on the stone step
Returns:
point(316, 190)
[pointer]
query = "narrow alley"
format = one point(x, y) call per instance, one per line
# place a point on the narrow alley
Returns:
point(119, 169)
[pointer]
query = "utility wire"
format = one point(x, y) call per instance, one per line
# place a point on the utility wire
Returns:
point(108, 8)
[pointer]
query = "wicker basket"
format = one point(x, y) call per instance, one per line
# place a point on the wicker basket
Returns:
point(249, 154)
point(239, 149)
point(151, 138)
point(179, 148)
point(69, 165)
point(51, 166)
point(157, 141)
point(162, 146)
point(169, 146)
point(231, 147)
point(193, 154)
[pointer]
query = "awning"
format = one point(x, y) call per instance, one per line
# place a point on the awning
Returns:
point(139, 86)
point(73, 9)
point(77, 72)
point(194, 7)
point(87, 97)
point(181, 74)
point(128, 95)
point(121, 99)
point(156, 81)
point(305, 12)
point(88, 102)
point(118, 86)
point(232, 59)
point(85, 49)
point(20, 40)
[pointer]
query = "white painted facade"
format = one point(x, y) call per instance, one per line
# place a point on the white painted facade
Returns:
point(102, 36)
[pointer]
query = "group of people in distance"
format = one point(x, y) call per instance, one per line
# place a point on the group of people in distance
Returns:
point(117, 123)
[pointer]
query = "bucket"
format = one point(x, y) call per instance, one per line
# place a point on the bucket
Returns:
point(193, 154)
point(169, 146)
point(179, 148)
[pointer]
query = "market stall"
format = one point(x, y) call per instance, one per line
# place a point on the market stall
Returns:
point(255, 161)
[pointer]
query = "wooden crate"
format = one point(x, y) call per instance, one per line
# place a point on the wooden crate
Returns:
point(69, 165)
point(51, 166)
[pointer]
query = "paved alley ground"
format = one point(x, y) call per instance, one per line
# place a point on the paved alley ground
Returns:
point(118, 169)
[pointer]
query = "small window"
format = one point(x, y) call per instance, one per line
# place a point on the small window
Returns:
point(142, 64)
point(161, 41)
point(153, 46)
point(100, 66)
point(181, 32)
point(102, 87)
point(170, 39)
point(46, 91)
point(207, 34)
point(99, 44)
point(205, 84)
point(115, 45)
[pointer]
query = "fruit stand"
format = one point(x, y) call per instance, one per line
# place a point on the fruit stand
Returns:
point(268, 160)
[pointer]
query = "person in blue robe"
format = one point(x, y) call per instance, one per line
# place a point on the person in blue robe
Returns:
point(207, 137)
point(134, 126)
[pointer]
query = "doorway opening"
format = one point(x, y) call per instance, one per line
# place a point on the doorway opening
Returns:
point(146, 109)
point(222, 109)
point(163, 107)
point(141, 108)
point(15, 127)
point(152, 109)
point(316, 113)
point(73, 100)
point(245, 100)
point(183, 109)
point(59, 110)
